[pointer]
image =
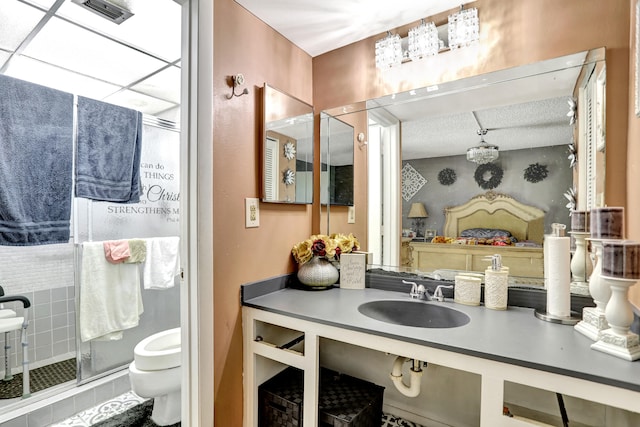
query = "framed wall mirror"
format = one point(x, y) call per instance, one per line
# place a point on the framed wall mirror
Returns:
point(542, 117)
point(287, 148)
point(336, 161)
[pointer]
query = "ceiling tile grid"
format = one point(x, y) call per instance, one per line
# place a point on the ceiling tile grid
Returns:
point(62, 45)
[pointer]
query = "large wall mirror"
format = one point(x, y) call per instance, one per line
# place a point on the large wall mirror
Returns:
point(287, 152)
point(546, 120)
point(336, 161)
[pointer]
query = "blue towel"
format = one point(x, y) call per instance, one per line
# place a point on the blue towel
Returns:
point(36, 158)
point(108, 153)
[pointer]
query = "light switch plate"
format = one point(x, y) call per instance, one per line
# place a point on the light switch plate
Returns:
point(351, 215)
point(252, 212)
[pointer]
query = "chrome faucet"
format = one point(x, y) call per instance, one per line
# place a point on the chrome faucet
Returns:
point(420, 292)
point(437, 294)
point(417, 291)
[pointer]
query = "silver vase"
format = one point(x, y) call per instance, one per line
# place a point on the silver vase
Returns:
point(318, 272)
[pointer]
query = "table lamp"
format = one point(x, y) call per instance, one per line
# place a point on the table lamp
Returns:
point(418, 213)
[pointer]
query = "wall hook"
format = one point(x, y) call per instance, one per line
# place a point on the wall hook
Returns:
point(361, 141)
point(237, 80)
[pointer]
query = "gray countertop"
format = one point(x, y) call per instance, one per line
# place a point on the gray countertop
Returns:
point(514, 336)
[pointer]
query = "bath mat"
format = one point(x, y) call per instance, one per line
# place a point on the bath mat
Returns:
point(138, 416)
point(40, 378)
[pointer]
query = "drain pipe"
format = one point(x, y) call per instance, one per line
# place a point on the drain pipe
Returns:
point(413, 389)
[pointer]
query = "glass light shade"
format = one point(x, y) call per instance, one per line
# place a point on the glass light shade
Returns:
point(389, 51)
point(423, 41)
point(483, 153)
point(464, 28)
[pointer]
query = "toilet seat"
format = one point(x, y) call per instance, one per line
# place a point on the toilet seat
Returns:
point(159, 351)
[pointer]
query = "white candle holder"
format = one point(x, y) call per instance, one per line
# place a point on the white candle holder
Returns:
point(618, 340)
point(594, 320)
point(581, 268)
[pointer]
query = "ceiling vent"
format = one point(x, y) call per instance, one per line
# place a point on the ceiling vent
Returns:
point(106, 9)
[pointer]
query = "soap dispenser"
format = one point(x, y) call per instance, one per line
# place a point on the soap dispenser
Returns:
point(496, 281)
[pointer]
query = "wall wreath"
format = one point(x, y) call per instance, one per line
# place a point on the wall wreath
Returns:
point(488, 176)
point(447, 176)
point(536, 172)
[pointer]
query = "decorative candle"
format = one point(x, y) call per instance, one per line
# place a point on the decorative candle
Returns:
point(621, 259)
point(607, 223)
point(580, 221)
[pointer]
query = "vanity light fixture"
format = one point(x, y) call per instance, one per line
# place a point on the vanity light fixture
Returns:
point(464, 28)
point(389, 51)
point(423, 41)
point(237, 80)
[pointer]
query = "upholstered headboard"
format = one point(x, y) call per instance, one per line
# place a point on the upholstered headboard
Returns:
point(494, 210)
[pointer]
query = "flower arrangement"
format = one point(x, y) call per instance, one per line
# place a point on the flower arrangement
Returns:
point(329, 247)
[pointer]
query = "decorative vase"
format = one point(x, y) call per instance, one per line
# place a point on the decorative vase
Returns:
point(318, 272)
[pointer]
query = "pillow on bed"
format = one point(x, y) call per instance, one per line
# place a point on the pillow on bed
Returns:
point(484, 233)
point(489, 236)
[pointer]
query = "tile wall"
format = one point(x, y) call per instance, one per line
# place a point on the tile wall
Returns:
point(52, 328)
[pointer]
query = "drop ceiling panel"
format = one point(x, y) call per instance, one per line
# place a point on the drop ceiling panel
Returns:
point(154, 27)
point(42, 3)
point(13, 31)
point(165, 85)
point(58, 78)
point(139, 101)
point(71, 47)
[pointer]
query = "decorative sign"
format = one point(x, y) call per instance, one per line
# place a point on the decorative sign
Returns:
point(352, 269)
point(158, 212)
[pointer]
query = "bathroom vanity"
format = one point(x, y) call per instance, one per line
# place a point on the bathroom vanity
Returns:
point(501, 347)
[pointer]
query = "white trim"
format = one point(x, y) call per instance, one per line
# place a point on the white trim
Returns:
point(389, 179)
point(391, 188)
point(374, 182)
point(197, 186)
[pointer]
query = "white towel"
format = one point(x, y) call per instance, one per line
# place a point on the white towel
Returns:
point(110, 295)
point(163, 262)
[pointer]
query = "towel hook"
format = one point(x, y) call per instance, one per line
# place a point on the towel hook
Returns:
point(237, 80)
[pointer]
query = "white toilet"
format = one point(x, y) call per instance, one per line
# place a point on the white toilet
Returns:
point(156, 373)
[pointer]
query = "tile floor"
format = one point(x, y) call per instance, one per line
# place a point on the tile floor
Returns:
point(127, 400)
point(102, 411)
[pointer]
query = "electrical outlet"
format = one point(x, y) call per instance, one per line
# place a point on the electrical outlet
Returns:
point(252, 212)
point(351, 215)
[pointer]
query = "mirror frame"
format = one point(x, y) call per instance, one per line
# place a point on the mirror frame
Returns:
point(286, 118)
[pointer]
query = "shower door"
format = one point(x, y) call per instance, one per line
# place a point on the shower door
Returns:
point(156, 215)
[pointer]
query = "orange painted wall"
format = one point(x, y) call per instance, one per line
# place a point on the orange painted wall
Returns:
point(244, 44)
point(513, 33)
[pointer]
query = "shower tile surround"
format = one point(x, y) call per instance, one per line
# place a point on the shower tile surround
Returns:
point(45, 275)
